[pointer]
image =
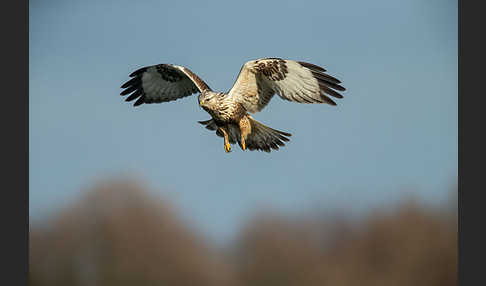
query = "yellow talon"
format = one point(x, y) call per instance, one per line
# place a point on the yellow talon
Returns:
point(227, 148)
point(243, 145)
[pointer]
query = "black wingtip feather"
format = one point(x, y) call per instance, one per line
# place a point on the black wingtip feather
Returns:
point(139, 71)
point(133, 81)
point(325, 89)
point(325, 77)
point(312, 66)
point(134, 95)
point(139, 101)
point(128, 90)
point(328, 100)
point(336, 87)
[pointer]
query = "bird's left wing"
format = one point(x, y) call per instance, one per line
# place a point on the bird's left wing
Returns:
point(162, 83)
point(292, 80)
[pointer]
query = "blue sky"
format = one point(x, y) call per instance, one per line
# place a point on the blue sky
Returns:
point(395, 129)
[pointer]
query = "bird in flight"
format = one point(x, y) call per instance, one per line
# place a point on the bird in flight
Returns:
point(255, 86)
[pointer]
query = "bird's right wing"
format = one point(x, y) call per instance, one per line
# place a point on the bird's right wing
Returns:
point(162, 83)
point(294, 81)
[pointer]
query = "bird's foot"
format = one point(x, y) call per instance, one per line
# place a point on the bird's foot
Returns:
point(243, 145)
point(227, 147)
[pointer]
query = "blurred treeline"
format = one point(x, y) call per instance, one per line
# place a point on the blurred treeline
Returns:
point(119, 234)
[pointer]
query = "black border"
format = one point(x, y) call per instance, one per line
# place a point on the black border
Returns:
point(15, 120)
point(471, 237)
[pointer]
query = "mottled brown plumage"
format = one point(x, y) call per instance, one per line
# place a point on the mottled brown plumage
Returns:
point(253, 89)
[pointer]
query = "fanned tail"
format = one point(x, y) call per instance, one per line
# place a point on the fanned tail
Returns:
point(261, 138)
point(264, 138)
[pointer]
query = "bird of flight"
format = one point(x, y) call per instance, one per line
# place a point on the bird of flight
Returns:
point(256, 84)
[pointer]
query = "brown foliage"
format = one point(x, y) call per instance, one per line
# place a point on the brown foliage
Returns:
point(120, 235)
point(408, 246)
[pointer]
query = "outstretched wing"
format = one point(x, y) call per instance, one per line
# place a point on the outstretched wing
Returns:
point(295, 81)
point(162, 83)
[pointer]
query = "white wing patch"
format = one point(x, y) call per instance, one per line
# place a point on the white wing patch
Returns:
point(295, 81)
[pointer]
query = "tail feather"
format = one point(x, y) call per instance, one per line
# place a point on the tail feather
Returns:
point(209, 124)
point(264, 138)
point(261, 138)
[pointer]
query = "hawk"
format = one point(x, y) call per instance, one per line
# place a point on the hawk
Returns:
point(255, 86)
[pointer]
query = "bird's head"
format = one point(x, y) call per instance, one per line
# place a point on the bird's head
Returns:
point(208, 100)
